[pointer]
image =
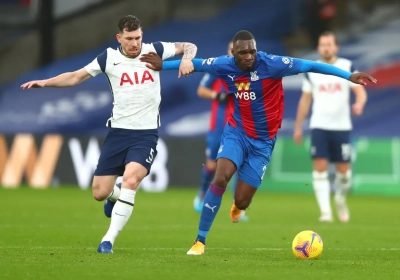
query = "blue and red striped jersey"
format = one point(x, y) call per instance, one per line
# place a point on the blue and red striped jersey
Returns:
point(258, 94)
point(220, 111)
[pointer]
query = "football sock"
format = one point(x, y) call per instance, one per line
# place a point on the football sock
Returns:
point(322, 191)
point(206, 177)
point(120, 215)
point(212, 202)
point(343, 182)
point(114, 195)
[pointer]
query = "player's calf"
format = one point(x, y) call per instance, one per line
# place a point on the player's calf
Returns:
point(343, 184)
point(133, 175)
point(322, 193)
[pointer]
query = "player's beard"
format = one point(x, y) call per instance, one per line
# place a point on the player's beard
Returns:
point(129, 53)
point(329, 57)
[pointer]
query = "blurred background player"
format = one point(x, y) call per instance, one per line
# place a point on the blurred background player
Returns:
point(330, 126)
point(212, 87)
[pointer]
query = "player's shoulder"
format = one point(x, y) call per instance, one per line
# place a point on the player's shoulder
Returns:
point(344, 61)
point(155, 46)
point(149, 47)
point(273, 59)
point(108, 53)
point(345, 64)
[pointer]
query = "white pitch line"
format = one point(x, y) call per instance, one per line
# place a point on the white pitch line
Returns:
point(183, 249)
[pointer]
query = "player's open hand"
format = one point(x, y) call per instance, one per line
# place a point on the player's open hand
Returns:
point(186, 67)
point(357, 109)
point(153, 61)
point(298, 136)
point(358, 78)
point(34, 84)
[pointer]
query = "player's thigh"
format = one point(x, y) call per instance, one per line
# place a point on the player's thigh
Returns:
point(256, 162)
point(320, 152)
point(213, 144)
point(140, 157)
point(340, 147)
point(111, 163)
point(244, 194)
point(230, 156)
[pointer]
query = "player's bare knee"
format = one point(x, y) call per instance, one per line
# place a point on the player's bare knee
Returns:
point(131, 182)
point(242, 203)
point(344, 178)
point(221, 180)
point(99, 193)
point(320, 176)
point(320, 165)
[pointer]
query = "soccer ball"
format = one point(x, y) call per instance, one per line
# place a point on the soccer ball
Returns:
point(307, 245)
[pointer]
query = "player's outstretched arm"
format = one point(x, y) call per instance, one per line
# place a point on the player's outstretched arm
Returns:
point(155, 63)
point(327, 69)
point(68, 79)
point(283, 66)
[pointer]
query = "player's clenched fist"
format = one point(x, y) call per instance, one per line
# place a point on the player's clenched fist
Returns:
point(186, 67)
point(34, 84)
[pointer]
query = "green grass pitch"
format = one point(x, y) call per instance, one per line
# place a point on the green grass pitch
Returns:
point(53, 234)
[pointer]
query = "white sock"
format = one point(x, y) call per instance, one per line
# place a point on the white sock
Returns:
point(114, 195)
point(322, 192)
point(120, 215)
point(343, 182)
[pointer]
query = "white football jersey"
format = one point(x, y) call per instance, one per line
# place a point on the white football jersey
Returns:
point(135, 88)
point(331, 98)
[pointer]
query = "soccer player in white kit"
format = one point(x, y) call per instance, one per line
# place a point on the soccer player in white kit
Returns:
point(330, 126)
point(130, 146)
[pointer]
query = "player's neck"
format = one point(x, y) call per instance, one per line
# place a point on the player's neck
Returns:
point(332, 60)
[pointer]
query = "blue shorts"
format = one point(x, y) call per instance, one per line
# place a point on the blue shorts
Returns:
point(213, 143)
point(335, 146)
point(251, 156)
point(123, 146)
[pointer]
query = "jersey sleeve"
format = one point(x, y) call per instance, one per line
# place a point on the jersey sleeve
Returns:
point(164, 50)
point(208, 65)
point(307, 86)
point(200, 65)
point(208, 80)
point(282, 66)
point(98, 65)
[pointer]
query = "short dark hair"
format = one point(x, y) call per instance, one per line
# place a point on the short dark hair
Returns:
point(129, 23)
point(329, 33)
point(242, 35)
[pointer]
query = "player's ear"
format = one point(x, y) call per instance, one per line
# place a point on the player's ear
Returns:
point(118, 36)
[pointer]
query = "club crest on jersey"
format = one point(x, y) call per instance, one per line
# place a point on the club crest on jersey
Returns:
point(253, 76)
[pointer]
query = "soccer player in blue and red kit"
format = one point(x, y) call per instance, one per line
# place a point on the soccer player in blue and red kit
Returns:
point(255, 80)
